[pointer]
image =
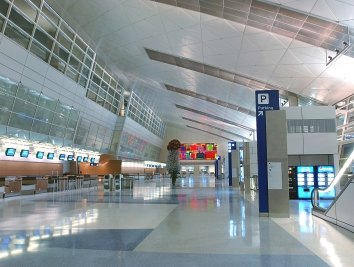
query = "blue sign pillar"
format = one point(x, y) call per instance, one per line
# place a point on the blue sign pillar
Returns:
point(231, 146)
point(265, 100)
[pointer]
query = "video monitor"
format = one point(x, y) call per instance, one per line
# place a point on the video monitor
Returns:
point(40, 155)
point(24, 153)
point(79, 158)
point(85, 159)
point(10, 152)
point(62, 157)
point(50, 156)
point(321, 175)
point(70, 157)
point(326, 168)
point(300, 175)
point(92, 160)
point(304, 169)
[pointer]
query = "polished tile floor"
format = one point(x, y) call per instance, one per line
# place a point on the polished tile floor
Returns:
point(199, 223)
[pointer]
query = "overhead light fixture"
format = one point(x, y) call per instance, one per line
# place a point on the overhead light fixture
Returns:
point(341, 104)
point(331, 58)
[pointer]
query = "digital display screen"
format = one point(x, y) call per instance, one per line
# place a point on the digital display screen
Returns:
point(92, 160)
point(50, 156)
point(300, 183)
point(85, 159)
point(79, 158)
point(10, 152)
point(70, 157)
point(40, 155)
point(330, 175)
point(300, 175)
point(325, 168)
point(61, 156)
point(24, 153)
point(305, 169)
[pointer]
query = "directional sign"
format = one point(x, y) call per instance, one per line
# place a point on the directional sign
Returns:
point(265, 100)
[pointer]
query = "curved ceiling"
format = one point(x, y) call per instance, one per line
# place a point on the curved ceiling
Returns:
point(197, 63)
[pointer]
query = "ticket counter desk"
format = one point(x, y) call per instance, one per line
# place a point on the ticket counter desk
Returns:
point(41, 185)
point(13, 186)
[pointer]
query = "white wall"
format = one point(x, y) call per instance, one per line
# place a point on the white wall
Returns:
point(311, 143)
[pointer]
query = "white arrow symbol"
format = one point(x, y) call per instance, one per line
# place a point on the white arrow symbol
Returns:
point(260, 113)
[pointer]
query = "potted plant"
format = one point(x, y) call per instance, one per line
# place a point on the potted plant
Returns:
point(172, 165)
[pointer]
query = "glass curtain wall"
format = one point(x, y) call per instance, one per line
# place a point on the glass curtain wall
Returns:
point(28, 114)
point(37, 28)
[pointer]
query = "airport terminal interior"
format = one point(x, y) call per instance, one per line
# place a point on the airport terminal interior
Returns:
point(176, 133)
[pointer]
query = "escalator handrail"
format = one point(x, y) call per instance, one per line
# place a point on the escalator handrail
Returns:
point(324, 189)
point(313, 192)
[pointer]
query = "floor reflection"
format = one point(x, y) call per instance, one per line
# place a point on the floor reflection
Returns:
point(13, 243)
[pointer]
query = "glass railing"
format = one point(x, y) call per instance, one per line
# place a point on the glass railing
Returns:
point(323, 198)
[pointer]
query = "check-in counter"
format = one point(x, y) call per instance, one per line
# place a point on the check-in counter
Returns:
point(28, 185)
point(41, 184)
point(52, 184)
point(63, 183)
point(13, 186)
point(2, 186)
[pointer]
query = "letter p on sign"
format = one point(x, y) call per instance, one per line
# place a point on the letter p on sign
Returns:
point(263, 99)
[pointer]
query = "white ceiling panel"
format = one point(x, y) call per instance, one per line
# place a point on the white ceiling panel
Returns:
point(219, 29)
point(342, 11)
point(227, 61)
point(182, 37)
point(122, 30)
point(292, 71)
point(303, 5)
point(322, 9)
point(138, 10)
point(269, 57)
point(149, 27)
point(226, 46)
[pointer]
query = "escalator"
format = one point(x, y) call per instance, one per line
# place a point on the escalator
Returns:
point(336, 202)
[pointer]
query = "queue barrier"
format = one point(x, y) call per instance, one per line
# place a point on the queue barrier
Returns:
point(27, 185)
point(117, 182)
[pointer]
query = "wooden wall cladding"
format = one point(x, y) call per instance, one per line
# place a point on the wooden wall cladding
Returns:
point(111, 166)
point(22, 168)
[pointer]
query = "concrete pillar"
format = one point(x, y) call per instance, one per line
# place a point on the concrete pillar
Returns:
point(246, 166)
point(235, 168)
point(277, 161)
